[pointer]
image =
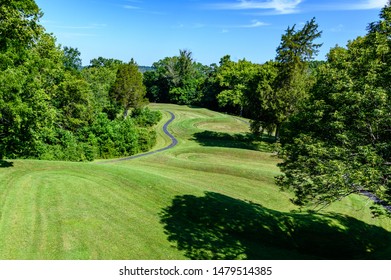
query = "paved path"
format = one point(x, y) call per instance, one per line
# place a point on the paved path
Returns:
point(377, 200)
point(174, 142)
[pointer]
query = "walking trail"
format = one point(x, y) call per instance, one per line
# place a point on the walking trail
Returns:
point(174, 142)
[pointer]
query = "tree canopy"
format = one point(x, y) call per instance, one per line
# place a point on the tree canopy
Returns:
point(176, 79)
point(128, 90)
point(340, 142)
point(51, 108)
point(291, 87)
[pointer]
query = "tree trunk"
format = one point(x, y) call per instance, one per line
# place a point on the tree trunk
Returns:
point(278, 128)
point(126, 110)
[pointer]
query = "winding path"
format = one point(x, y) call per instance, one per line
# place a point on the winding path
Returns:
point(174, 142)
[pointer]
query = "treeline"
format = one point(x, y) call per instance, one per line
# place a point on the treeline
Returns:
point(332, 118)
point(266, 93)
point(52, 108)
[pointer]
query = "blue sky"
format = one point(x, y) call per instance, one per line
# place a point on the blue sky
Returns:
point(149, 30)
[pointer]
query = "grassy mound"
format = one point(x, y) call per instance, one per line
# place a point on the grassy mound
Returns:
point(211, 197)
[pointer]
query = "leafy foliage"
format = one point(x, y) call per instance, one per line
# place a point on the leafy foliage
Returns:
point(18, 24)
point(128, 90)
point(52, 109)
point(339, 143)
point(72, 60)
point(176, 80)
point(235, 78)
point(296, 49)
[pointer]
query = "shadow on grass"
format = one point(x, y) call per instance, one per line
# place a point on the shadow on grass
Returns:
point(242, 141)
point(216, 226)
point(4, 164)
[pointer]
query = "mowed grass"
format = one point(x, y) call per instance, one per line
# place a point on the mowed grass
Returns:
point(211, 197)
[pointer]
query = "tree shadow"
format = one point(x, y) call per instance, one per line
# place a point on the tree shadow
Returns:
point(5, 164)
point(216, 226)
point(241, 141)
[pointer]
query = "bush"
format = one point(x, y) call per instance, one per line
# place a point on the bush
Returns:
point(104, 139)
point(145, 117)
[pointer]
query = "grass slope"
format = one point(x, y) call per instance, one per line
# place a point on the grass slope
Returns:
point(211, 197)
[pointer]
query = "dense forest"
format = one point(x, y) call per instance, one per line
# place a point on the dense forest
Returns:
point(331, 118)
point(53, 108)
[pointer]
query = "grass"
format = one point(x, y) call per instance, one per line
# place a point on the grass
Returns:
point(211, 197)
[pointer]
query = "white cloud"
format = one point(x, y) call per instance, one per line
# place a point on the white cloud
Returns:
point(347, 5)
point(130, 7)
point(276, 6)
point(296, 6)
point(254, 24)
point(367, 5)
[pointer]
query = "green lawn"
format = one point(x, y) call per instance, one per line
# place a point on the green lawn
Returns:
point(211, 197)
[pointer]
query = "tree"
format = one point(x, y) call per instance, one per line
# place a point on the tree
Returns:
point(159, 81)
point(105, 62)
point(262, 105)
point(74, 103)
point(72, 60)
point(19, 24)
point(340, 143)
point(176, 79)
point(100, 80)
point(182, 73)
point(210, 88)
point(29, 68)
point(296, 49)
point(128, 90)
point(51, 109)
point(235, 79)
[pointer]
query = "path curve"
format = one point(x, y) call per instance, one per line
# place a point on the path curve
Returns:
point(174, 142)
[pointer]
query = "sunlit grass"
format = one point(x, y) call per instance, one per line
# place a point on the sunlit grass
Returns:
point(201, 199)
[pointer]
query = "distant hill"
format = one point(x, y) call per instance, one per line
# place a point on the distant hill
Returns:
point(144, 69)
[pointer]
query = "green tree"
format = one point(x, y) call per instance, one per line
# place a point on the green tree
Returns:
point(72, 60)
point(176, 79)
point(128, 90)
point(210, 88)
point(293, 82)
point(26, 114)
point(19, 25)
point(158, 82)
point(29, 68)
point(105, 62)
point(340, 143)
point(235, 79)
point(73, 101)
point(262, 103)
point(101, 75)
